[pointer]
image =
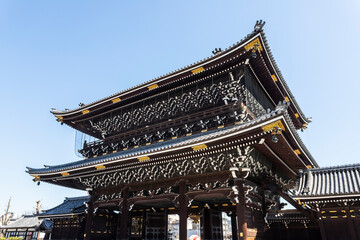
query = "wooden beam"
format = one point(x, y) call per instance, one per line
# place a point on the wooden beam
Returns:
point(290, 200)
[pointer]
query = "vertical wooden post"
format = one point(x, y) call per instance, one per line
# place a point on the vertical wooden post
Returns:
point(89, 218)
point(233, 226)
point(124, 216)
point(206, 231)
point(351, 224)
point(321, 226)
point(241, 211)
point(182, 211)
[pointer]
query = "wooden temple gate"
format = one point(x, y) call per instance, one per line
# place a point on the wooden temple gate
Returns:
point(216, 137)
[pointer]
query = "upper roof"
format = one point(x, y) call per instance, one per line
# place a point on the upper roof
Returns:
point(73, 205)
point(246, 45)
point(329, 182)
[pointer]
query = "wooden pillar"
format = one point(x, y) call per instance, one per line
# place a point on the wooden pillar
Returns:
point(89, 218)
point(321, 226)
point(206, 223)
point(233, 226)
point(351, 224)
point(241, 210)
point(182, 211)
point(124, 216)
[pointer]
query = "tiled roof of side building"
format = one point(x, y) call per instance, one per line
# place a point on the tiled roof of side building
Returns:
point(28, 221)
point(69, 206)
point(329, 182)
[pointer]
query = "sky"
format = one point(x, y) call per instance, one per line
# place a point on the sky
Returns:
point(56, 54)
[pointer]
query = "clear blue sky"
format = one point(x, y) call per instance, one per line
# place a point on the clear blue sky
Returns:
point(60, 53)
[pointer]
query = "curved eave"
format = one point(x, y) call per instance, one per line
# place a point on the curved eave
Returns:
point(283, 85)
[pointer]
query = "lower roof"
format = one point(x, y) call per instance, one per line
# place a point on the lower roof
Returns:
point(27, 221)
point(329, 182)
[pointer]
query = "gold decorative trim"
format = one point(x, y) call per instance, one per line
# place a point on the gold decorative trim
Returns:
point(205, 130)
point(174, 137)
point(197, 70)
point(142, 159)
point(297, 151)
point(171, 208)
point(59, 117)
point(274, 78)
point(114, 151)
point(287, 99)
point(65, 174)
point(36, 178)
point(271, 126)
point(161, 140)
point(188, 134)
point(99, 167)
point(116, 100)
point(85, 111)
point(104, 154)
point(309, 166)
point(220, 126)
point(296, 115)
point(252, 44)
point(153, 86)
point(148, 143)
point(199, 147)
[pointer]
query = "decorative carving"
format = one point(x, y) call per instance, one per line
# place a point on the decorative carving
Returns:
point(189, 101)
point(239, 157)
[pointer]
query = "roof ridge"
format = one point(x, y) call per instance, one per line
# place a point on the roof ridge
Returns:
point(333, 168)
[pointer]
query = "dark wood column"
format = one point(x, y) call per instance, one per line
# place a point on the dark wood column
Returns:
point(89, 218)
point(241, 210)
point(124, 216)
point(351, 224)
point(321, 226)
point(233, 226)
point(182, 211)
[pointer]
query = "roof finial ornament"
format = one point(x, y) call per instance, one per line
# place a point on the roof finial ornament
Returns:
point(259, 25)
point(216, 51)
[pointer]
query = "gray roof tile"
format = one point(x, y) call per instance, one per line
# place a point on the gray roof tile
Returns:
point(329, 181)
